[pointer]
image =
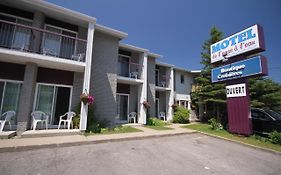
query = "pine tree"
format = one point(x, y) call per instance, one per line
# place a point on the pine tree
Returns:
point(265, 93)
point(211, 96)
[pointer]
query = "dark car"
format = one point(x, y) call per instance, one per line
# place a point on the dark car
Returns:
point(265, 121)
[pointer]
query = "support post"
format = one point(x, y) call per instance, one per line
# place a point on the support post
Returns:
point(87, 75)
point(143, 92)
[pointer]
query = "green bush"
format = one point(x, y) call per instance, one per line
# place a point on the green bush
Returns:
point(275, 137)
point(181, 115)
point(215, 125)
point(155, 122)
point(76, 121)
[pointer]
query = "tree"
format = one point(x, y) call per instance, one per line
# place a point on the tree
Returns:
point(265, 93)
point(211, 96)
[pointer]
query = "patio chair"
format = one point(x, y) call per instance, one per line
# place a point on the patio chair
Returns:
point(48, 52)
point(134, 75)
point(78, 57)
point(68, 119)
point(162, 115)
point(6, 117)
point(39, 116)
point(132, 115)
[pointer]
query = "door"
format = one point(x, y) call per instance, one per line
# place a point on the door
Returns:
point(123, 66)
point(157, 77)
point(157, 106)
point(9, 97)
point(122, 107)
point(53, 100)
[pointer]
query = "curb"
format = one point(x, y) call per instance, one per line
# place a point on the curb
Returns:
point(79, 143)
point(242, 143)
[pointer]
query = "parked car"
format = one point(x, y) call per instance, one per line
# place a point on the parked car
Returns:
point(265, 121)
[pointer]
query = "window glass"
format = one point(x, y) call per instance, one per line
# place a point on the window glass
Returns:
point(182, 79)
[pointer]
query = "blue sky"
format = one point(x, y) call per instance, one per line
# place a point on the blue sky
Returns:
point(178, 28)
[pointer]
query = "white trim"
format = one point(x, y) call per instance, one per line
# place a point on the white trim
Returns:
point(12, 81)
point(111, 31)
point(87, 75)
point(154, 55)
point(132, 48)
point(64, 11)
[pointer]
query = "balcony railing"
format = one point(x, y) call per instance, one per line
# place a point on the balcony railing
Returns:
point(35, 40)
point(162, 82)
point(129, 69)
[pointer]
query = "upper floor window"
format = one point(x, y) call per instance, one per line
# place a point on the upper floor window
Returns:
point(59, 42)
point(12, 33)
point(182, 79)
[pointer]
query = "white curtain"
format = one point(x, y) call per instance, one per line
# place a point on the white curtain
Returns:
point(45, 97)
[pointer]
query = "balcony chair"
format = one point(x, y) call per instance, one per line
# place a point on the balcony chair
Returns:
point(162, 115)
point(132, 115)
point(78, 57)
point(48, 52)
point(39, 116)
point(134, 75)
point(6, 117)
point(162, 84)
point(66, 118)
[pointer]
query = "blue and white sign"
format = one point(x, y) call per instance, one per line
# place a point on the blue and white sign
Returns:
point(247, 40)
point(250, 67)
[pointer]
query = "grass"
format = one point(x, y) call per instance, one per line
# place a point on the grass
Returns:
point(160, 128)
point(116, 130)
point(252, 140)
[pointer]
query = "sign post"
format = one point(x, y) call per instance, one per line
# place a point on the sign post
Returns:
point(236, 71)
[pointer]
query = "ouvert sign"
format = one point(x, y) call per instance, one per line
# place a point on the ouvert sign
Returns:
point(250, 39)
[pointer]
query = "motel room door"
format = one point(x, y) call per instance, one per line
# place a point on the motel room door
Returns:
point(54, 100)
point(122, 107)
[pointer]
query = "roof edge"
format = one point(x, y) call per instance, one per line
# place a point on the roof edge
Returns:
point(111, 31)
point(61, 9)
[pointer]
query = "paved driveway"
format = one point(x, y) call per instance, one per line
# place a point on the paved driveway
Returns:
point(185, 154)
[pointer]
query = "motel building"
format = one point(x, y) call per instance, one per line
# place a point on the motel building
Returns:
point(50, 55)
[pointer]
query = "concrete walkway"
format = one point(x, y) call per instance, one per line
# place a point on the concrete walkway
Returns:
point(20, 144)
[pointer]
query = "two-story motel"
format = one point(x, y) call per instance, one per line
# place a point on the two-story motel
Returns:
point(49, 55)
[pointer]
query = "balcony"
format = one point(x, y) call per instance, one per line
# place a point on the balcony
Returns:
point(129, 72)
point(50, 42)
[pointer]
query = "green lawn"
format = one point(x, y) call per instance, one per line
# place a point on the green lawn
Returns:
point(253, 140)
point(159, 127)
point(116, 130)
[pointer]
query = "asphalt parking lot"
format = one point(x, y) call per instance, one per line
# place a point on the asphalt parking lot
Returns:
point(184, 154)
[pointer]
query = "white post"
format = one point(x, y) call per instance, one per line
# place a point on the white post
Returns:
point(171, 96)
point(87, 75)
point(143, 93)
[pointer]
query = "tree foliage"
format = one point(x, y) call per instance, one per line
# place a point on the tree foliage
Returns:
point(212, 96)
point(265, 93)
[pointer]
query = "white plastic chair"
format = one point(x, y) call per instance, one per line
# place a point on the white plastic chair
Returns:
point(39, 116)
point(6, 117)
point(78, 57)
point(162, 115)
point(132, 115)
point(68, 120)
point(134, 75)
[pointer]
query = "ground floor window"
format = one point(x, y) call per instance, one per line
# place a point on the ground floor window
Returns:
point(9, 96)
point(122, 107)
point(54, 100)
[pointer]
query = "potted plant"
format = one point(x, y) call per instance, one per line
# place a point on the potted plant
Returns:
point(174, 106)
point(146, 104)
point(86, 98)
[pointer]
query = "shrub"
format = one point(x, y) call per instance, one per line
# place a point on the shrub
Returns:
point(76, 121)
point(181, 115)
point(275, 137)
point(215, 125)
point(155, 122)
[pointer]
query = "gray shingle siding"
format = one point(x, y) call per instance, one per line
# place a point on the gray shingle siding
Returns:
point(104, 76)
point(77, 89)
